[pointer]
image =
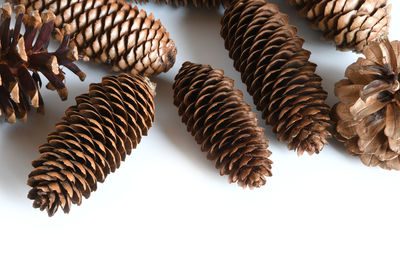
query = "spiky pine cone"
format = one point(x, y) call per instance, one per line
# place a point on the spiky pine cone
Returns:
point(223, 124)
point(351, 24)
point(91, 141)
point(368, 114)
point(23, 57)
point(195, 3)
point(278, 73)
point(114, 33)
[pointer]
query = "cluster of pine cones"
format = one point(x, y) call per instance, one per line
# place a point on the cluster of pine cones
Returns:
point(108, 122)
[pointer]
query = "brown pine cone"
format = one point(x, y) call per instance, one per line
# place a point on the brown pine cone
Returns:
point(278, 73)
point(23, 57)
point(114, 33)
point(195, 3)
point(91, 141)
point(351, 24)
point(368, 114)
point(223, 124)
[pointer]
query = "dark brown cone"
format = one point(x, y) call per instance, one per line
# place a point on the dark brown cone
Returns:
point(91, 141)
point(23, 57)
point(368, 114)
point(351, 24)
point(278, 73)
point(223, 124)
point(114, 33)
point(195, 3)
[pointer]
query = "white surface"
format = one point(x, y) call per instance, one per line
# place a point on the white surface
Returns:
point(168, 206)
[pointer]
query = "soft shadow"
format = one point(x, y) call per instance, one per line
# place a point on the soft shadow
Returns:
point(206, 43)
point(170, 124)
point(338, 146)
point(21, 141)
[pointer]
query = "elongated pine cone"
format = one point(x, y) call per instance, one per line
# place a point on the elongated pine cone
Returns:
point(278, 73)
point(368, 114)
point(351, 24)
point(195, 3)
point(23, 57)
point(223, 124)
point(91, 141)
point(114, 33)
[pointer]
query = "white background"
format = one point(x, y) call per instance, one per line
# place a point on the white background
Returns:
point(167, 204)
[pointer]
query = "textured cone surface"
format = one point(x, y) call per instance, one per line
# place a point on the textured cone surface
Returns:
point(91, 141)
point(195, 3)
point(368, 114)
point(114, 33)
point(23, 57)
point(223, 124)
point(277, 72)
point(351, 24)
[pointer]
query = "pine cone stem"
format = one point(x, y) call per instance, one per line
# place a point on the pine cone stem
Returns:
point(91, 141)
point(278, 73)
point(223, 124)
point(114, 33)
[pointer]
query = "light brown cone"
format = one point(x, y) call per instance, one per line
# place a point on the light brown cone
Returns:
point(91, 141)
point(351, 24)
point(24, 56)
point(223, 124)
point(368, 114)
point(278, 73)
point(114, 33)
point(194, 3)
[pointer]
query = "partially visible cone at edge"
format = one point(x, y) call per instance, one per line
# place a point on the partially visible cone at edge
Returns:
point(278, 73)
point(91, 141)
point(367, 116)
point(114, 33)
point(194, 3)
point(223, 124)
point(351, 24)
point(24, 56)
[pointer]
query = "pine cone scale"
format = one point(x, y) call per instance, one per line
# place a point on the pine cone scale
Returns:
point(350, 24)
point(278, 75)
point(94, 137)
point(23, 56)
point(367, 115)
point(222, 124)
point(194, 3)
point(114, 33)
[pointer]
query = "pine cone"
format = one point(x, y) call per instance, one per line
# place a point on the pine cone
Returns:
point(351, 24)
point(91, 141)
point(114, 33)
point(22, 58)
point(195, 3)
point(368, 114)
point(223, 124)
point(277, 72)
